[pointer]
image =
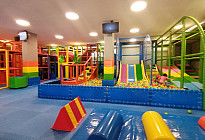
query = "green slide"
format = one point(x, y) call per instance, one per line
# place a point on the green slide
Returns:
point(139, 72)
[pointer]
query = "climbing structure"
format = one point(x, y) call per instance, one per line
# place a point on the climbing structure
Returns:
point(47, 64)
point(83, 71)
point(10, 61)
point(177, 42)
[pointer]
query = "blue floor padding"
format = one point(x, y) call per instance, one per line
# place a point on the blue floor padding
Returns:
point(182, 127)
point(24, 116)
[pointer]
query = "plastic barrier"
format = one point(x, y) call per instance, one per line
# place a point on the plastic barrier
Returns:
point(190, 99)
point(155, 127)
point(109, 128)
point(201, 122)
point(70, 116)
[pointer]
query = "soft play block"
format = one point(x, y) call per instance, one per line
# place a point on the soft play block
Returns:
point(18, 82)
point(108, 82)
point(33, 81)
point(70, 116)
point(155, 127)
point(109, 127)
point(201, 122)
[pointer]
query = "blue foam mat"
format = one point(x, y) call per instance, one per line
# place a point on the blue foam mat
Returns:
point(182, 127)
point(24, 116)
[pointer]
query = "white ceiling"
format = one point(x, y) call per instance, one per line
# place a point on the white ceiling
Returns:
point(47, 18)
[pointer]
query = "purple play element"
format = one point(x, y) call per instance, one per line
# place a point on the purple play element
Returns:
point(124, 73)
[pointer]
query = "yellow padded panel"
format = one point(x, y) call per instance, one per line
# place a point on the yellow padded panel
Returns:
point(108, 70)
point(71, 115)
point(79, 107)
point(30, 69)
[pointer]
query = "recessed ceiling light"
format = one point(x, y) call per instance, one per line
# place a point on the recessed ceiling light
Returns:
point(77, 43)
point(53, 45)
point(178, 27)
point(93, 34)
point(22, 22)
point(163, 38)
point(138, 6)
point(4, 41)
point(72, 16)
point(134, 30)
point(133, 40)
point(59, 36)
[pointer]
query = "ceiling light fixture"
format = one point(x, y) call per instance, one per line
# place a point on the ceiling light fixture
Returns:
point(4, 41)
point(138, 6)
point(134, 30)
point(178, 27)
point(93, 34)
point(77, 43)
point(23, 22)
point(72, 16)
point(133, 40)
point(59, 36)
point(53, 45)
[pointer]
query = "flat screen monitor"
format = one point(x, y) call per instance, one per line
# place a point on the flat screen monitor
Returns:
point(23, 35)
point(112, 27)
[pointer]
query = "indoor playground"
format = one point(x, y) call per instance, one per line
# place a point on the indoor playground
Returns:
point(141, 86)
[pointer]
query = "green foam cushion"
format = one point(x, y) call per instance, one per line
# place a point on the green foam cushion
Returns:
point(18, 82)
point(108, 76)
point(31, 75)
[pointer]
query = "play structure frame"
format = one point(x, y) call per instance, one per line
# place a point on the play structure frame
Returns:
point(183, 37)
point(174, 98)
point(74, 71)
point(12, 62)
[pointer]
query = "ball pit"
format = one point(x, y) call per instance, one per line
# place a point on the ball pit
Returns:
point(95, 82)
point(138, 84)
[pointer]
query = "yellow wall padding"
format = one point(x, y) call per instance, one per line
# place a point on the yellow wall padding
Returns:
point(108, 70)
point(30, 69)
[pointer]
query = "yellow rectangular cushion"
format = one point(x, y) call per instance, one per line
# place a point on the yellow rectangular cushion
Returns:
point(108, 70)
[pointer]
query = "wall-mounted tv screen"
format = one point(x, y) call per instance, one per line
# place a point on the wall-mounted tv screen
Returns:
point(112, 27)
point(23, 35)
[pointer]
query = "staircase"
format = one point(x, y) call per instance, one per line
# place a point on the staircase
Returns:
point(84, 71)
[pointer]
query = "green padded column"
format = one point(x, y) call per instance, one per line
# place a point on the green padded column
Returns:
point(169, 55)
point(183, 52)
point(161, 57)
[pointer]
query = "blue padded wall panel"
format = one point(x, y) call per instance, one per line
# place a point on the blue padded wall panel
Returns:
point(128, 95)
point(33, 81)
point(89, 93)
point(54, 91)
point(177, 98)
point(108, 82)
